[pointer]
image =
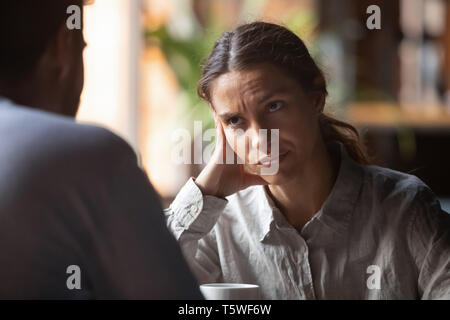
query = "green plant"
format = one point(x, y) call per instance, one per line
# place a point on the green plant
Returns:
point(185, 58)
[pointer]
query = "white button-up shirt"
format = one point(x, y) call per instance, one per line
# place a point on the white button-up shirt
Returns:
point(380, 234)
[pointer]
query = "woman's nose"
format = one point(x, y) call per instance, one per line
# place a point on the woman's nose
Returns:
point(260, 140)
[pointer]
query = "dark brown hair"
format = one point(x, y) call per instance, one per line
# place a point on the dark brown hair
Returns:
point(26, 28)
point(262, 42)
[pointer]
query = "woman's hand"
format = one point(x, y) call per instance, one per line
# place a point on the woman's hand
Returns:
point(220, 179)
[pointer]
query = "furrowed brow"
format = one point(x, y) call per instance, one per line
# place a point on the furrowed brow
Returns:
point(272, 93)
point(228, 115)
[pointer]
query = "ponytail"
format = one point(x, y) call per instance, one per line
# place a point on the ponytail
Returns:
point(336, 130)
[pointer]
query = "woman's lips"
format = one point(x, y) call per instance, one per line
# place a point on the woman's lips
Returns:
point(267, 162)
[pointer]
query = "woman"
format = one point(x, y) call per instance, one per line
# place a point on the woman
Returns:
point(326, 225)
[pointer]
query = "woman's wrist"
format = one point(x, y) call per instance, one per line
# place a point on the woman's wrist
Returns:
point(205, 188)
point(209, 185)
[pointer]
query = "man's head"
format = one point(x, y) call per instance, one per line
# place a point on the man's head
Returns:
point(41, 62)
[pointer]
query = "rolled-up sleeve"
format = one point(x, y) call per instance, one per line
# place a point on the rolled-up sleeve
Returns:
point(191, 219)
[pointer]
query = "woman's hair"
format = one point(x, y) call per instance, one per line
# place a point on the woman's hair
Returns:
point(261, 42)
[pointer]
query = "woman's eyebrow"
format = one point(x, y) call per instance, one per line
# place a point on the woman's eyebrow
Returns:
point(228, 115)
point(272, 93)
point(265, 97)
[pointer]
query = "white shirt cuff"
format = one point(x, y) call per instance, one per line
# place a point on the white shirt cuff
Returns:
point(194, 211)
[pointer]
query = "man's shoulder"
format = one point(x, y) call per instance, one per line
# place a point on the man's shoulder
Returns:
point(56, 127)
point(46, 139)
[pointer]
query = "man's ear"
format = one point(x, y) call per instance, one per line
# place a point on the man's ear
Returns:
point(64, 41)
point(58, 53)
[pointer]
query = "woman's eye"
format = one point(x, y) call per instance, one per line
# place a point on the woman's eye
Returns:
point(275, 106)
point(234, 121)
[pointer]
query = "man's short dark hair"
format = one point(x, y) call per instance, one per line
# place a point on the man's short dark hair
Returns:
point(26, 28)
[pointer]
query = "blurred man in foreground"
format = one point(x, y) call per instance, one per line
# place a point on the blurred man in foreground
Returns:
point(78, 217)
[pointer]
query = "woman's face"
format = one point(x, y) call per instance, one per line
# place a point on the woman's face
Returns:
point(264, 97)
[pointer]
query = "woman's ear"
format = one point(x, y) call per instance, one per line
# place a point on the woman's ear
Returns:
point(319, 102)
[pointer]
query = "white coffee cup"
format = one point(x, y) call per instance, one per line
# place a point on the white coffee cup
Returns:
point(230, 291)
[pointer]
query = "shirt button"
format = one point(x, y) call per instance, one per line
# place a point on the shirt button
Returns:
point(194, 208)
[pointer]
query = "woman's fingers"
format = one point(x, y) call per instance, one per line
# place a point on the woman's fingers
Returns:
point(224, 149)
point(219, 143)
point(222, 136)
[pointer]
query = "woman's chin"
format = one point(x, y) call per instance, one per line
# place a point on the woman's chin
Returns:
point(276, 179)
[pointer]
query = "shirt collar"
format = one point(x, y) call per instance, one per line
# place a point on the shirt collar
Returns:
point(267, 211)
point(336, 211)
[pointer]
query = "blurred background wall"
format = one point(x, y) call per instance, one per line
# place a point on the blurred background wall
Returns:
point(143, 63)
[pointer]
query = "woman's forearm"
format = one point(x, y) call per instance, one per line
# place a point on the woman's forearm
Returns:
point(191, 218)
